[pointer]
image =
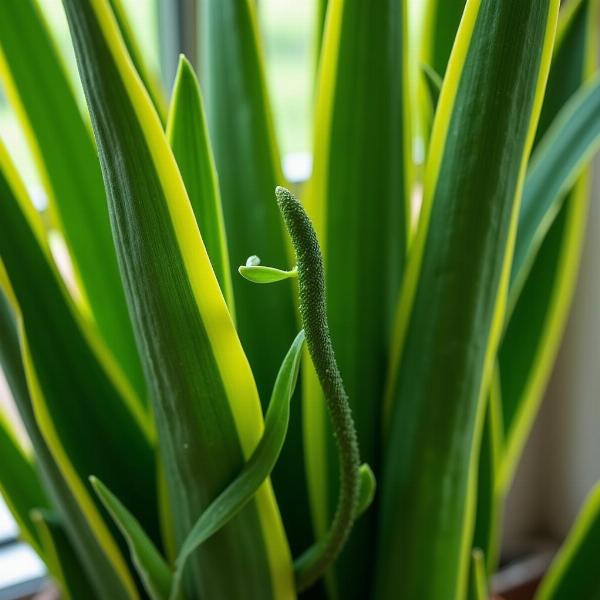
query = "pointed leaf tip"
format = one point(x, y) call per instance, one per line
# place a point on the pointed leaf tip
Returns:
point(151, 566)
point(259, 466)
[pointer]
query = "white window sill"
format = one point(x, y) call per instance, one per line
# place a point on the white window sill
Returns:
point(21, 571)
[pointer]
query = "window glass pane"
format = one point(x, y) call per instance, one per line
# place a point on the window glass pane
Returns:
point(287, 26)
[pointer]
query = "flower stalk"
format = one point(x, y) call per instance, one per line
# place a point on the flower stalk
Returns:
point(311, 565)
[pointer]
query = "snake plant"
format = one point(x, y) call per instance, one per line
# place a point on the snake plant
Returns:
point(351, 429)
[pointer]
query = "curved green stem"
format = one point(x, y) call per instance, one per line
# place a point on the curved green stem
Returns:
point(311, 279)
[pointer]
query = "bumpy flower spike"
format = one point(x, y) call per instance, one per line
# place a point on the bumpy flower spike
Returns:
point(311, 279)
point(357, 483)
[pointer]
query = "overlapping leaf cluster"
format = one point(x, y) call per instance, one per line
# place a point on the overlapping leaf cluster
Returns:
point(142, 371)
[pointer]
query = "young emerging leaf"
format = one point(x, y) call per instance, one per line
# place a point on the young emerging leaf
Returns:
point(259, 466)
point(188, 136)
point(257, 273)
point(151, 566)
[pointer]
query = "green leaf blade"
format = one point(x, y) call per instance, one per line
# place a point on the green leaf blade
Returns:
point(255, 471)
point(78, 528)
point(68, 165)
point(486, 534)
point(573, 60)
point(188, 136)
point(181, 321)
point(478, 579)
point(249, 166)
point(262, 274)
point(358, 200)
point(549, 243)
point(20, 485)
point(451, 310)
point(19, 482)
point(559, 160)
point(574, 572)
point(92, 407)
point(150, 565)
point(92, 565)
point(61, 558)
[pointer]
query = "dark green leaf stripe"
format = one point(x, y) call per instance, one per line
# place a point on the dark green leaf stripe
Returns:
point(489, 498)
point(63, 563)
point(188, 136)
point(442, 18)
point(358, 200)
point(551, 227)
point(20, 484)
point(451, 310)
point(80, 531)
point(89, 419)
point(248, 163)
point(574, 572)
point(185, 334)
point(68, 165)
